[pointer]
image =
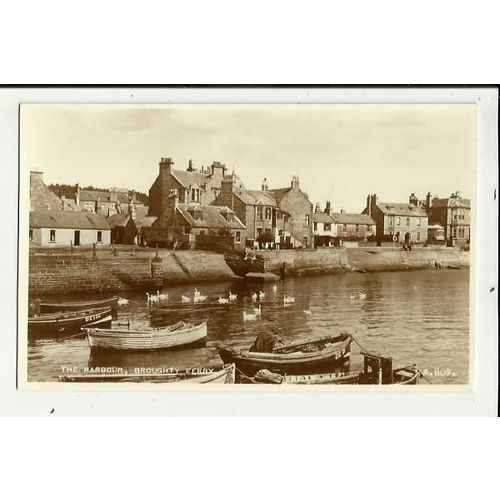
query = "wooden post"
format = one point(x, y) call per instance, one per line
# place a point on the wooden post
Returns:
point(71, 246)
point(156, 255)
point(94, 254)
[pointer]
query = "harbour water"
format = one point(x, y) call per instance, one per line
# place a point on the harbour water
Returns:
point(419, 317)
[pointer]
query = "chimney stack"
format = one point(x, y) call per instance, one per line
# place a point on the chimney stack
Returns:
point(369, 204)
point(166, 165)
point(264, 184)
point(295, 182)
point(328, 208)
point(428, 201)
point(36, 175)
point(316, 208)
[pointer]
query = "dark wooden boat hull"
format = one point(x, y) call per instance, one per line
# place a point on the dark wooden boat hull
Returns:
point(52, 307)
point(322, 362)
point(69, 321)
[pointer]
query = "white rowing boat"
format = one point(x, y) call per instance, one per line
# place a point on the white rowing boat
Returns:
point(149, 339)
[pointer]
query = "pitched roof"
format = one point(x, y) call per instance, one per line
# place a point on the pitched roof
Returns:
point(110, 195)
point(145, 221)
point(322, 217)
point(118, 220)
point(189, 178)
point(67, 220)
point(41, 197)
point(255, 197)
point(280, 193)
point(451, 202)
point(212, 217)
point(349, 218)
point(404, 209)
point(435, 226)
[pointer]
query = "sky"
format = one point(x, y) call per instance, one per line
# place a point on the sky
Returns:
point(340, 152)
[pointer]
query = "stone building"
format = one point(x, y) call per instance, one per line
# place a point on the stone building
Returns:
point(280, 217)
point(330, 228)
point(454, 215)
point(324, 229)
point(397, 222)
point(126, 228)
point(65, 228)
point(107, 203)
point(189, 224)
point(193, 186)
point(354, 227)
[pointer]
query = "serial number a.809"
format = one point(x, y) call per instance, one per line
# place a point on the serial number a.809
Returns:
point(439, 372)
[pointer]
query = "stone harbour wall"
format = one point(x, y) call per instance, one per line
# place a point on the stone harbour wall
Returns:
point(60, 274)
point(83, 273)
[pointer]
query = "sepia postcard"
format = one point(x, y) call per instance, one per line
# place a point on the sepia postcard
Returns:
point(312, 246)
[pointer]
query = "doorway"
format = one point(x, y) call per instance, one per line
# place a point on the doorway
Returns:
point(407, 238)
point(77, 238)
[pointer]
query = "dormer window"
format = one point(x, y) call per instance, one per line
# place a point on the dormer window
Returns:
point(195, 194)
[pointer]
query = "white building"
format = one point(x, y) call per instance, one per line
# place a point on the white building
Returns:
point(54, 228)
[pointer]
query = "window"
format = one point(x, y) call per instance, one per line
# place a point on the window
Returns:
point(259, 232)
point(99, 236)
point(279, 215)
point(344, 227)
point(368, 227)
point(391, 220)
point(237, 236)
point(454, 232)
point(407, 221)
point(419, 221)
point(187, 229)
point(259, 212)
point(315, 226)
point(269, 212)
point(398, 221)
point(304, 241)
point(455, 216)
point(357, 228)
point(52, 235)
point(31, 234)
point(202, 233)
point(215, 193)
point(327, 226)
point(307, 220)
point(418, 236)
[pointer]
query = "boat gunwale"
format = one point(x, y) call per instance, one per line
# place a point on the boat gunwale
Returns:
point(68, 315)
point(291, 357)
point(146, 334)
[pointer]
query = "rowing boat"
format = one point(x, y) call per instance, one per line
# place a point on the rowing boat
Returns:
point(69, 321)
point(377, 370)
point(317, 356)
point(54, 306)
point(224, 376)
point(147, 339)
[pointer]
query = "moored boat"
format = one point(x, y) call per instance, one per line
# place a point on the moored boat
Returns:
point(147, 339)
point(74, 305)
point(377, 371)
point(69, 321)
point(226, 375)
point(317, 356)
